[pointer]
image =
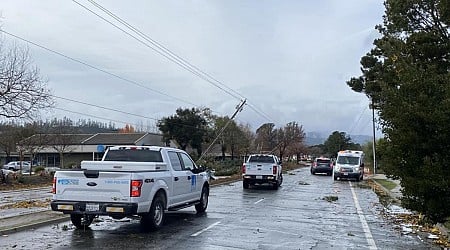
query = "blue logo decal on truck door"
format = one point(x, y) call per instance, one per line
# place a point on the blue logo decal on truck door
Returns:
point(193, 182)
point(68, 181)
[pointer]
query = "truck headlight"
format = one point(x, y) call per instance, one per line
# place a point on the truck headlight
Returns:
point(356, 169)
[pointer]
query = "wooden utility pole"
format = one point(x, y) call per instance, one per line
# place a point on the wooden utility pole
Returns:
point(239, 108)
point(373, 142)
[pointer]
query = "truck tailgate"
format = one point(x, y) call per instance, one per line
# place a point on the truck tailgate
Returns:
point(123, 166)
point(259, 168)
point(107, 187)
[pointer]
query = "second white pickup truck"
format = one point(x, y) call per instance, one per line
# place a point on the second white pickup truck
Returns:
point(262, 168)
point(143, 181)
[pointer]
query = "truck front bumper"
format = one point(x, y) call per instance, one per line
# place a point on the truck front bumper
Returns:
point(94, 208)
point(346, 175)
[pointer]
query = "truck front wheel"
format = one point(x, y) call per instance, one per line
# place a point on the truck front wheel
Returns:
point(81, 221)
point(154, 219)
point(201, 207)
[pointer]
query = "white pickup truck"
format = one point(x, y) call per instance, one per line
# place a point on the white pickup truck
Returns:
point(262, 168)
point(144, 181)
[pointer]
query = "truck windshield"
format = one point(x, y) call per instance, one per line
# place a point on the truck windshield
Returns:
point(352, 160)
point(133, 155)
point(261, 158)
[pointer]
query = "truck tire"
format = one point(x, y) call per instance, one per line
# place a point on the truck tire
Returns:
point(275, 185)
point(245, 184)
point(154, 219)
point(201, 207)
point(81, 221)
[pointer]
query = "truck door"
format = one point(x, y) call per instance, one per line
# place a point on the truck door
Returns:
point(180, 182)
point(195, 184)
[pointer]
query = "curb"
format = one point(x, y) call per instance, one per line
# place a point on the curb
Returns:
point(28, 222)
point(442, 229)
point(387, 191)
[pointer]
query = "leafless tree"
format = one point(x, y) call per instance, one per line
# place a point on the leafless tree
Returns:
point(31, 146)
point(63, 143)
point(289, 136)
point(23, 92)
point(8, 139)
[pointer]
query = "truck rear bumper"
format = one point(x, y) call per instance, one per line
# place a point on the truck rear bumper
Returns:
point(95, 208)
point(259, 179)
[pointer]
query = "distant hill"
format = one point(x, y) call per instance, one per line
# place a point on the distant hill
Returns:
point(316, 138)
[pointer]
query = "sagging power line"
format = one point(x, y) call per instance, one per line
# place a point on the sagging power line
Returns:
point(168, 54)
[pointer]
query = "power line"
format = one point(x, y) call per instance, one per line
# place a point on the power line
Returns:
point(167, 53)
point(111, 109)
point(165, 50)
point(96, 68)
point(357, 121)
point(178, 62)
point(93, 116)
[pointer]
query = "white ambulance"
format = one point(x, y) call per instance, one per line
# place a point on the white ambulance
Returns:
point(349, 165)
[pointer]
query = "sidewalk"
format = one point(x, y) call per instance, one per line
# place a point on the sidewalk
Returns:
point(32, 220)
point(395, 193)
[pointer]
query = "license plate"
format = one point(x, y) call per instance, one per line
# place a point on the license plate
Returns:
point(92, 207)
point(259, 177)
point(65, 207)
point(345, 173)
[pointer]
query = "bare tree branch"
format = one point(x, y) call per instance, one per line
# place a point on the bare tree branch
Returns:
point(23, 93)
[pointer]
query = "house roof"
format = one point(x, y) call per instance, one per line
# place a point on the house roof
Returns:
point(89, 139)
point(114, 138)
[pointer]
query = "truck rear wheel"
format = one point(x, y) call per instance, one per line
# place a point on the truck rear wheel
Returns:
point(245, 184)
point(81, 221)
point(154, 219)
point(201, 207)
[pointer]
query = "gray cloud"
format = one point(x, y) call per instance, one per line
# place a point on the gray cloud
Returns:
point(289, 58)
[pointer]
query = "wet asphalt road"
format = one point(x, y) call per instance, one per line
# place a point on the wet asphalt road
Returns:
point(300, 215)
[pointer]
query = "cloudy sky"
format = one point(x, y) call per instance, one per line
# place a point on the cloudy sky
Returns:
point(289, 58)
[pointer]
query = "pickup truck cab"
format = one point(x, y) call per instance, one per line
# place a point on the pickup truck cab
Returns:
point(144, 181)
point(260, 169)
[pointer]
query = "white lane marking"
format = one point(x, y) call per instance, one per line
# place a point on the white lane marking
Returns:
point(205, 229)
point(259, 201)
point(364, 224)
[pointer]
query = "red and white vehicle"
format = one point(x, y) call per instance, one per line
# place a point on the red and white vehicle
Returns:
point(260, 169)
point(143, 181)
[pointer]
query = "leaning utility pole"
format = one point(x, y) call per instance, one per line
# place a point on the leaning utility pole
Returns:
point(239, 108)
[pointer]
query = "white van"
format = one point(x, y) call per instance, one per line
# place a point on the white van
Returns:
point(349, 165)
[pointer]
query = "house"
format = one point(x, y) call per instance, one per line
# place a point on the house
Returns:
point(68, 150)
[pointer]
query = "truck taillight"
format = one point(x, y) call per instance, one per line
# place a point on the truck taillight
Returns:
point(135, 188)
point(243, 168)
point(274, 169)
point(54, 185)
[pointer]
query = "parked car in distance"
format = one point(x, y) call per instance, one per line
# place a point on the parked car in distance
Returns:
point(16, 165)
point(322, 165)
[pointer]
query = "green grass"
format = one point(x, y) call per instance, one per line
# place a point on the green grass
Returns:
point(389, 185)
